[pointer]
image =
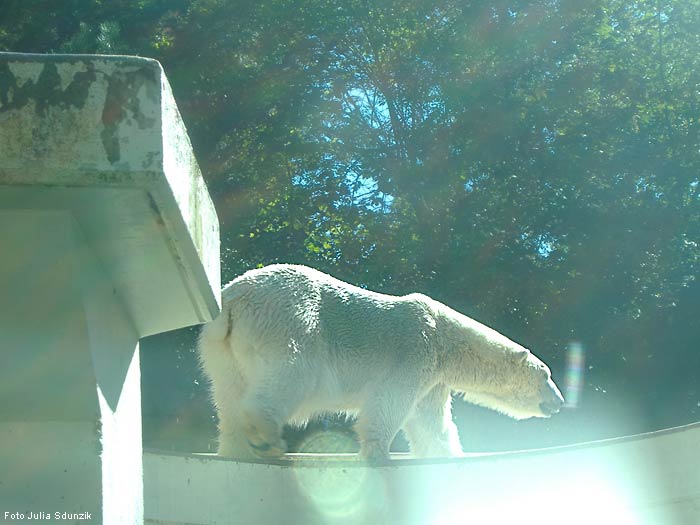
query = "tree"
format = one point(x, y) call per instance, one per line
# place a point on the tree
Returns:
point(531, 163)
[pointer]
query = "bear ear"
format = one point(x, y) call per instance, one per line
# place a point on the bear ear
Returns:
point(429, 320)
point(521, 356)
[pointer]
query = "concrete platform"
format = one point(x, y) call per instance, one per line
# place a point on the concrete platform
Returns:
point(649, 479)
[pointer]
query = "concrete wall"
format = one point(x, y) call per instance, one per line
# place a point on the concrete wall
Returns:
point(652, 479)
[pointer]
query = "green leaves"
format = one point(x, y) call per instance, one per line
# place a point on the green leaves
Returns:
point(532, 163)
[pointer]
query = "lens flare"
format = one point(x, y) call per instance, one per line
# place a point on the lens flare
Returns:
point(574, 374)
point(352, 494)
point(586, 501)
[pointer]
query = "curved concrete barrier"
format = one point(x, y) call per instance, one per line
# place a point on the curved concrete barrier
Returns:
point(649, 479)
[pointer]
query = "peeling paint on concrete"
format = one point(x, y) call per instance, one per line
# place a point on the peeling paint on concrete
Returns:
point(68, 71)
point(82, 112)
point(21, 84)
point(125, 92)
point(24, 72)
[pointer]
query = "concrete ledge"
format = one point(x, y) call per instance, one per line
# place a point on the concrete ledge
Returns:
point(651, 479)
point(107, 235)
point(101, 136)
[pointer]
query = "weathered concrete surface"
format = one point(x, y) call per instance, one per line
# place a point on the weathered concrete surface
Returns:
point(70, 416)
point(650, 479)
point(107, 234)
point(109, 127)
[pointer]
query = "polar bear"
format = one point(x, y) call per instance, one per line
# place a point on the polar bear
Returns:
point(292, 342)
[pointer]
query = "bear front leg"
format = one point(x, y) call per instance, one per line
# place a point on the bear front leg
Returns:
point(379, 421)
point(430, 429)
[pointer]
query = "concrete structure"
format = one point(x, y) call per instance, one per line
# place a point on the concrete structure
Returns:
point(651, 479)
point(107, 234)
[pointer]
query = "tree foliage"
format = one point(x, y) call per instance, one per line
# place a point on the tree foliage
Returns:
point(531, 163)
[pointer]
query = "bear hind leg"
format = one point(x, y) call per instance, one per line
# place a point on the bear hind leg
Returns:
point(266, 408)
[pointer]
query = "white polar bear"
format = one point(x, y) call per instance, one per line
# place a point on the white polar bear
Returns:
point(292, 342)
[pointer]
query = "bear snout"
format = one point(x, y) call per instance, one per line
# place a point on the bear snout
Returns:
point(549, 408)
point(553, 400)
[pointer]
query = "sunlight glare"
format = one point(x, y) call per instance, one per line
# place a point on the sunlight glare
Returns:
point(588, 500)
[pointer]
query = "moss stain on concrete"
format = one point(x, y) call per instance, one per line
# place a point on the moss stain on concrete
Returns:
point(44, 86)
